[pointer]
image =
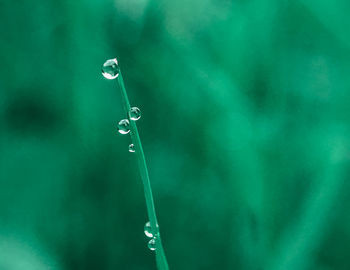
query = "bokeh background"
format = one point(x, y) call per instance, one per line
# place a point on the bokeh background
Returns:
point(245, 126)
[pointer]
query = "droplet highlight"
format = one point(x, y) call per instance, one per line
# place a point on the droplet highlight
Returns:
point(124, 126)
point(131, 148)
point(148, 229)
point(152, 244)
point(135, 113)
point(110, 69)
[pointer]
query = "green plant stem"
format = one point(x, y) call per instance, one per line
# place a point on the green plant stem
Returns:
point(161, 260)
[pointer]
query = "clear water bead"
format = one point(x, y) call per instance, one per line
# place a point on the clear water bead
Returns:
point(148, 229)
point(124, 126)
point(152, 243)
point(110, 69)
point(135, 113)
point(131, 148)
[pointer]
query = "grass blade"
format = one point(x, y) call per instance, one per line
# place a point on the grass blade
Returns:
point(161, 260)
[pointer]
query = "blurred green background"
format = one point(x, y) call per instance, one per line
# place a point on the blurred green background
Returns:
point(245, 126)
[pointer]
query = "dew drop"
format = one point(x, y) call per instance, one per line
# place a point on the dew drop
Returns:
point(152, 243)
point(135, 113)
point(124, 126)
point(131, 148)
point(110, 69)
point(148, 229)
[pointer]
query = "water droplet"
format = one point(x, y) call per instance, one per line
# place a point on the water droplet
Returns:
point(135, 113)
point(131, 148)
point(148, 229)
point(152, 243)
point(124, 126)
point(110, 69)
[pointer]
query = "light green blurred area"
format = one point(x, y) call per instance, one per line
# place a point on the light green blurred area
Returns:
point(245, 126)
